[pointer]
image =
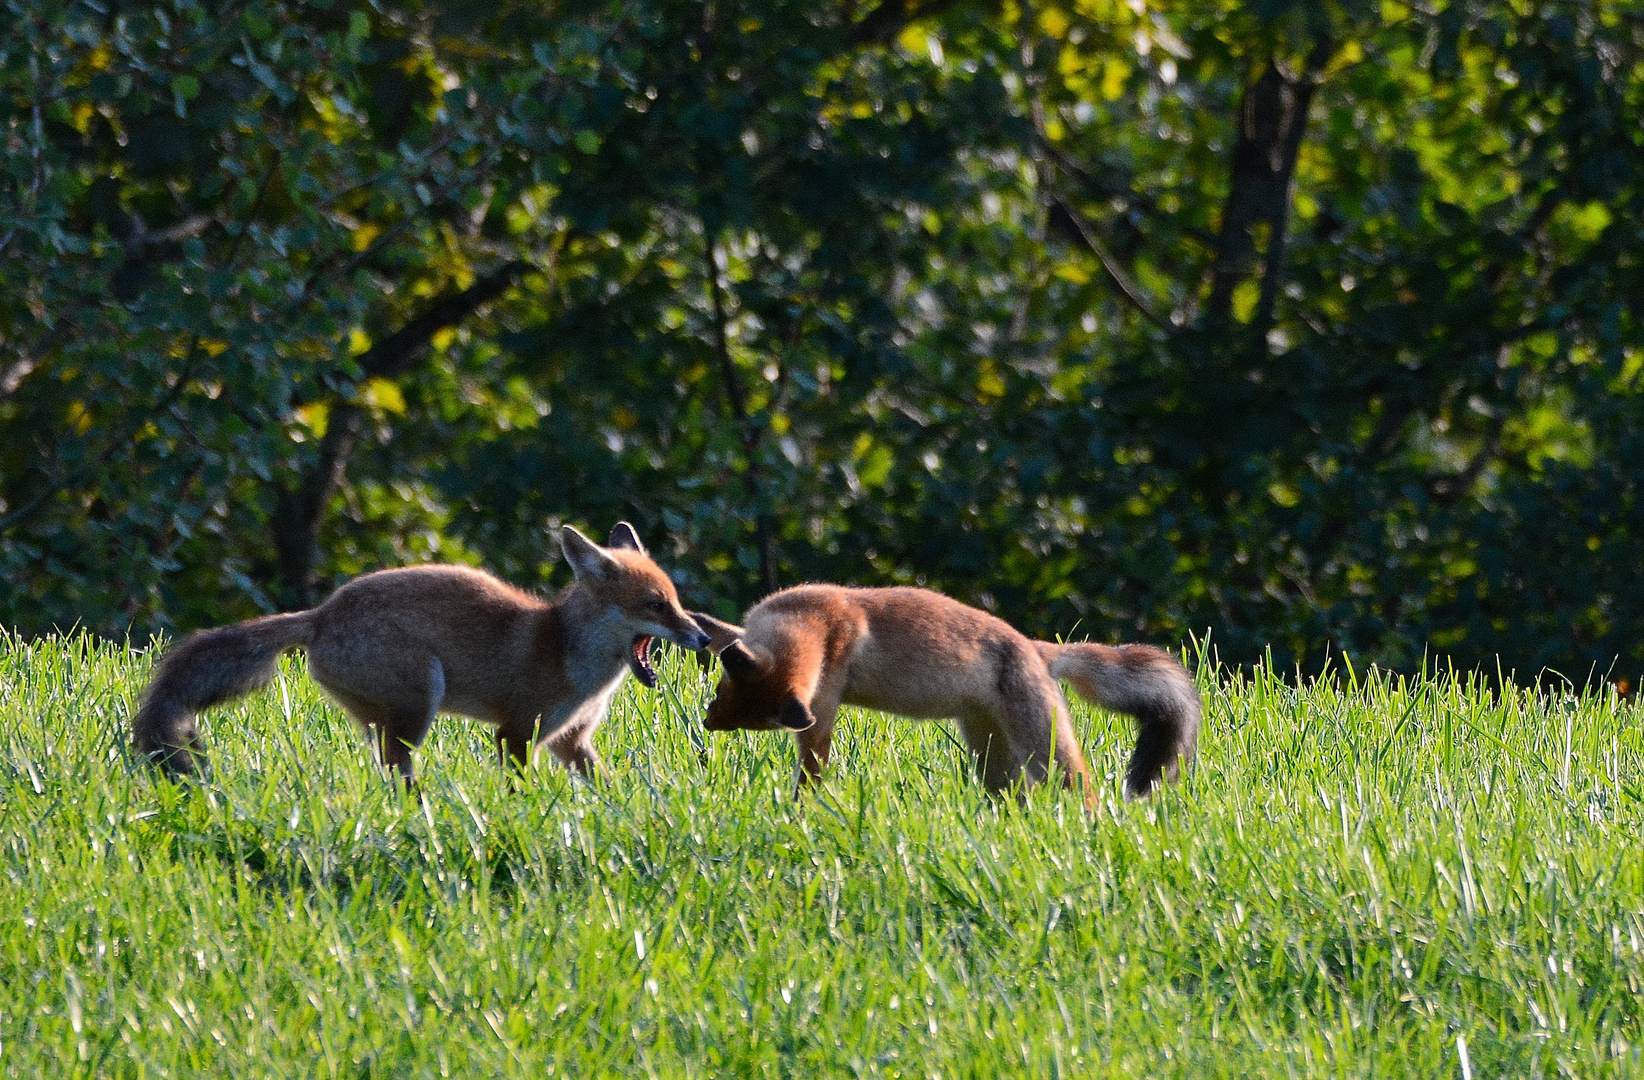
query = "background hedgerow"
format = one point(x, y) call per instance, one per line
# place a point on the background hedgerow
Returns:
point(1319, 323)
point(1366, 875)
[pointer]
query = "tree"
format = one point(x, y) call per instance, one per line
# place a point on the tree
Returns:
point(1314, 324)
point(1397, 342)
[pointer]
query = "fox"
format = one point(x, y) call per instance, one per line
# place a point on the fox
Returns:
point(805, 651)
point(396, 647)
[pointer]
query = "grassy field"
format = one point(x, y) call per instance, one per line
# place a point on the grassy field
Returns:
point(1363, 877)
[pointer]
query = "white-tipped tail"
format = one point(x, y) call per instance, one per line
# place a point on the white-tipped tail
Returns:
point(1146, 683)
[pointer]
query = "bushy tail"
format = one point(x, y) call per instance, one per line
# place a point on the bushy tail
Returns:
point(1146, 683)
point(204, 669)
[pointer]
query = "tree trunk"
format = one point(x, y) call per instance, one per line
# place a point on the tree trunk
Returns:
point(1272, 120)
point(298, 510)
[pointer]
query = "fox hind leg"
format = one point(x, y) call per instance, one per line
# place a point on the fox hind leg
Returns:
point(575, 750)
point(997, 761)
point(513, 747)
point(400, 725)
point(1069, 758)
point(1015, 744)
point(572, 743)
point(1012, 730)
point(389, 730)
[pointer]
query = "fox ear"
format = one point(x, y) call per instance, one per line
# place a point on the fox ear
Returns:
point(588, 560)
point(624, 536)
point(720, 634)
point(795, 715)
point(739, 660)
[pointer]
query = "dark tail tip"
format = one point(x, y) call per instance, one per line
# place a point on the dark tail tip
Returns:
point(1167, 739)
point(177, 762)
point(1157, 759)
point(167, 738)
point(205, 669)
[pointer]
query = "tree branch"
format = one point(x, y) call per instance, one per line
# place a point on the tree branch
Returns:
point(1278, 236)
point(1049, 161)
point(750, 437)
point(727, 368)
point(1447, 489)
point(394, 354)
point(1127, 288)
point(1109, 190)
point(298, 511)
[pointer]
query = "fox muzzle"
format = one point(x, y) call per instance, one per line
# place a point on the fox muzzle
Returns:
point(710, 722)
point(695, 641)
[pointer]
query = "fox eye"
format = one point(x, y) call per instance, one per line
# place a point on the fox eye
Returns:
point(659, 604)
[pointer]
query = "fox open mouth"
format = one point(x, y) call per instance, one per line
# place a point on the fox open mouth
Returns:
point(639, 659)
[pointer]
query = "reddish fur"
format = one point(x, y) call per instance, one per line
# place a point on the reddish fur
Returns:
point(917, 653)
point(397, 646)
point(912, 652)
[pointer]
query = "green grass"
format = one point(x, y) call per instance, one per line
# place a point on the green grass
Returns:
point(1361, 878)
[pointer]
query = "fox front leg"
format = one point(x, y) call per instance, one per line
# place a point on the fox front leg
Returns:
point(579, 756)
point(815, 742)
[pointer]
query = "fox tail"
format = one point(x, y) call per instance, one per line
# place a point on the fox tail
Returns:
point(1143, 682)
point(205, 669)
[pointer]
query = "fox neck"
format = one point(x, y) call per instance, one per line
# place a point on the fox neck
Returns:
point(597, 639)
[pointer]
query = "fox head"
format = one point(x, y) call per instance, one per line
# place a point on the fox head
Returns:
point(754, 692)
point(623, 577)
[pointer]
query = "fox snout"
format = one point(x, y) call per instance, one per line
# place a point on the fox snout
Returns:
point(717, 720)
point(791, 715)
point(690, 636)
point(676, 625)
point(684, 633)
point(713, 722)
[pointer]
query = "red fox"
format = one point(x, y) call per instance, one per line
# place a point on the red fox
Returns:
point(397, 646)
point(807, 650)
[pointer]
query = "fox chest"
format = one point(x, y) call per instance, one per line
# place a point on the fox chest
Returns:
point(586, 696)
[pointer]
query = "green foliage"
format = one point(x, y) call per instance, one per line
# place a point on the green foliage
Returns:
point(1316, 325)
point(1362, 877)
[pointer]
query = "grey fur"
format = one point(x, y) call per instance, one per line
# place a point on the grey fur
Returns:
point(205, 669)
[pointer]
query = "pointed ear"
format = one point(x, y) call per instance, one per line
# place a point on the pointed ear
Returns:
point(795, 715)
point(624, 536)
point(588, 560)
point(720, 634)
point(739, 660)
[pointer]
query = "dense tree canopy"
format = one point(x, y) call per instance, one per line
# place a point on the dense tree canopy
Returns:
point(1315, 325)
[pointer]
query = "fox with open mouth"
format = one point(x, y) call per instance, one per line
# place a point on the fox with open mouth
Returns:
point(396, 647)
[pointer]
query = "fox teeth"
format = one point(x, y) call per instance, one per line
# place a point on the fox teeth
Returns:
point(640, 661)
